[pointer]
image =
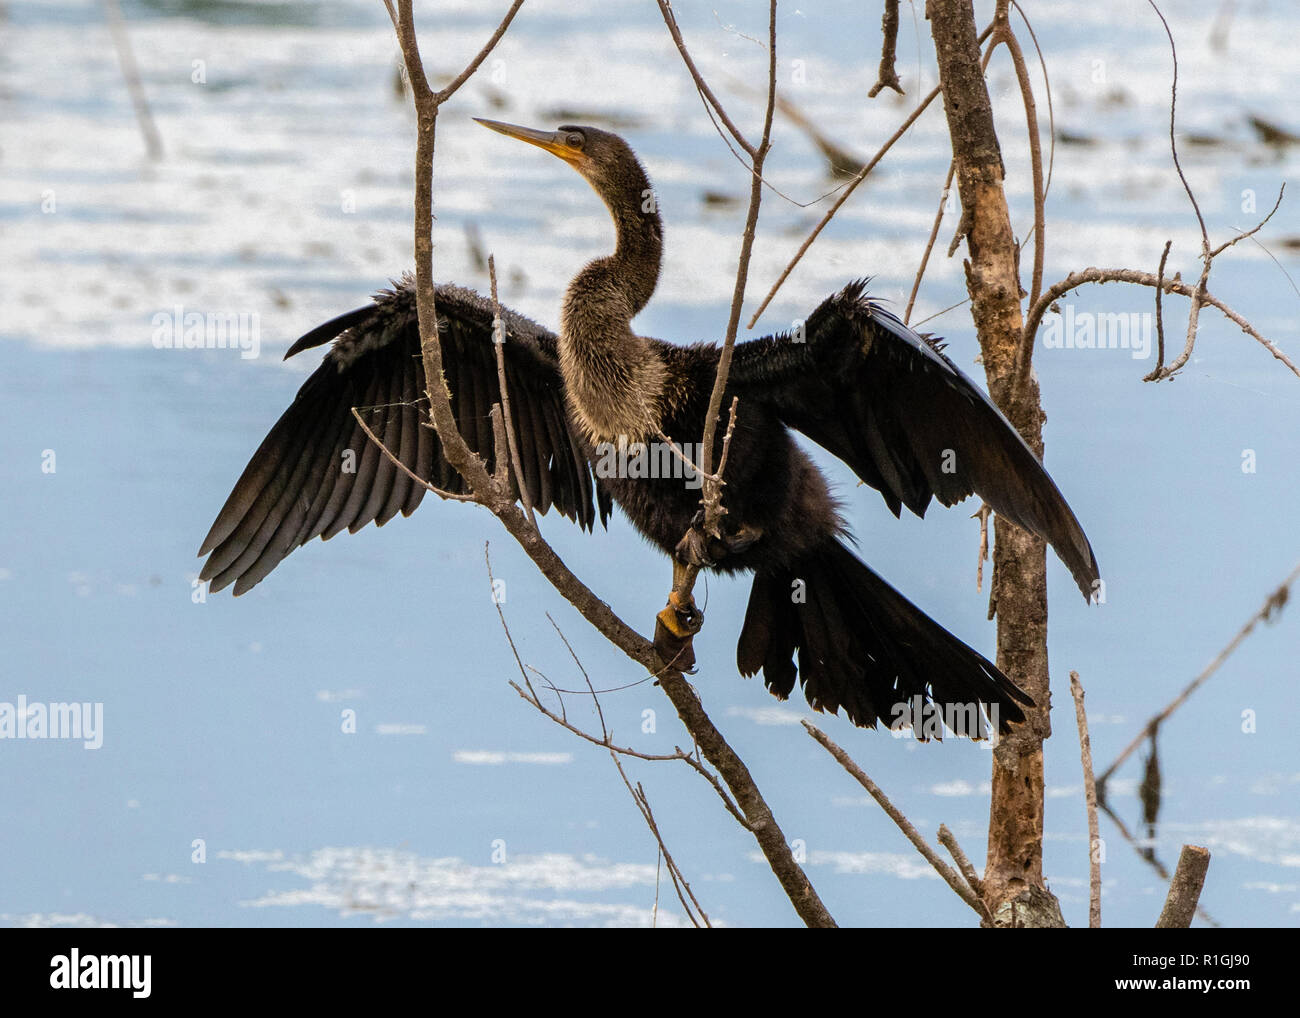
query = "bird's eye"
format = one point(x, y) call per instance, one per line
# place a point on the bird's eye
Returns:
point(574, 139)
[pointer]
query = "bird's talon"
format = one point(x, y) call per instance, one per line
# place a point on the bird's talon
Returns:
point(681, 617)
point(675, 626)
point(693, 549)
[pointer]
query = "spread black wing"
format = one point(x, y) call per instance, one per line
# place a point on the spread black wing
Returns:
point(316, 473)
point(886, 401)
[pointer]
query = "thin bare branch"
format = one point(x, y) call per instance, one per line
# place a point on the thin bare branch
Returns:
point(746, 250)
point(1090, 800)
point(949, 841)
point(711, 488)
point(1198, 293)
point(690, 464)
point(1280, 267)
point(449, 495)
point(654, 911)
point(942, 311)
point(1160, 312)
point(1207, 258)
point(1254, 229)
point(1173, 142)
point(706, 94)
point(714, 747)
point(680, 884)
point(492, 584)
point(938, 220)
point(713, 508)
point(446, 93)
point(1008, 38)
point(950, 876)
point(982, 514)
point(712, 744)
point(559, 693)
point(1095, 275)
point(839, 202)
point(929, 244)
point(1047, 91)
point(1272, 605)
point(606, 742)
point(848, 190)
point(840, 161)
point(600, 711)
point(678, 452)
point(466, 462)
point(499, 342)
point(131, 74)
point(638, 794)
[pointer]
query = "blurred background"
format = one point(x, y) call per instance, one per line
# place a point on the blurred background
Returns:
point(226, 791)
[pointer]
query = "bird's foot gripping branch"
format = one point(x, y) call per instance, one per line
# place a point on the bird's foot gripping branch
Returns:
point(675, 629)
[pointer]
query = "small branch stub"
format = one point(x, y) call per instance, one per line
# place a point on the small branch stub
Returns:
point(1185, 891)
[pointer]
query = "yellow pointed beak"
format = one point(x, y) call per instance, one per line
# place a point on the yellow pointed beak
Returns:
point(552, 141)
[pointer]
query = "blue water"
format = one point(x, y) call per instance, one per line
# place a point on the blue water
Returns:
point(223, 719)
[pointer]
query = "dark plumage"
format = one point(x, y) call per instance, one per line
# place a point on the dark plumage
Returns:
point(855, 380)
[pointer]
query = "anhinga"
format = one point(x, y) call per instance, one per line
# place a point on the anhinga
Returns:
point(854, 379)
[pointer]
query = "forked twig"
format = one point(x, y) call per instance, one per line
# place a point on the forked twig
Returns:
point(680, 883)
point(1095, 275)
point(887, 76)
point(713, 746)
point(712, 487)
point(606, 741)
point(849, 189)
point(950, 876)
point(717, 479)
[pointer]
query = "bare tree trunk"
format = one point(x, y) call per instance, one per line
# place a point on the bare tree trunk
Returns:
point(1014, 869)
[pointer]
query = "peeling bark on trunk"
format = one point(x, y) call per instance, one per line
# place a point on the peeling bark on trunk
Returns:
point(1014, 869)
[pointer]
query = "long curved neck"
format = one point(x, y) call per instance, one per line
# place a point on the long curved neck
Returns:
point(612, 376)
point(610, 291)
point(639, 248)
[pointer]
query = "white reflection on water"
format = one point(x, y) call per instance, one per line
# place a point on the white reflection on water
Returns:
point(528, 890)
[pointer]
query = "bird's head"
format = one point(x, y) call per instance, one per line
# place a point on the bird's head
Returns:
point(612, 169)
point(604, 159)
